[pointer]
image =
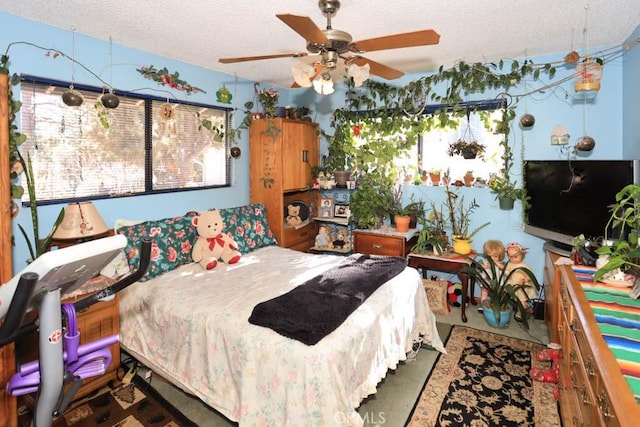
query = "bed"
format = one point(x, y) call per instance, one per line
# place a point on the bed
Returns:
point(191, 327)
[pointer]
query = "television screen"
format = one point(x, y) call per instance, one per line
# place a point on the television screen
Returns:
point(569, 198)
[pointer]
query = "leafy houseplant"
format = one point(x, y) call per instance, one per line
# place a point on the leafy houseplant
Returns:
point(505, 189)
point(269, 100)
point(623, 252)
point(500, 291)
point(432, 234)
point(21, 165)
point(460, 216)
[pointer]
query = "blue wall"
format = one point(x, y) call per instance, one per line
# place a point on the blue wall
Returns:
point(611, 119)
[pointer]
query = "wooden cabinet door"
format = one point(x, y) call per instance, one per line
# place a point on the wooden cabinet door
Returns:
point(300, 152)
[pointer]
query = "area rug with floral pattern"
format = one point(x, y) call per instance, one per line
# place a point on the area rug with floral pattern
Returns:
point(483, 380)
point(135, 404)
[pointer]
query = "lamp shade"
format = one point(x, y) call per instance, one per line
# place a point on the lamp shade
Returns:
point(80, 220)
point(302, 73)
point(323, 84)
point(358, 73)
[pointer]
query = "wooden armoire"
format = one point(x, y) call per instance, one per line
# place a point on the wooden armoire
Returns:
point(8, 410)
point(281, 155)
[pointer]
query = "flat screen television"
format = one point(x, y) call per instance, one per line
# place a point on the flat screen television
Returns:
point(569, 198)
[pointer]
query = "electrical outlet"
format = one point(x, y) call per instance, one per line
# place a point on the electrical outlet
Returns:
point(559, 139)
point(145, 372)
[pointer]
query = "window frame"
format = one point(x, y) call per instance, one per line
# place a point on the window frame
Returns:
point(148, 139)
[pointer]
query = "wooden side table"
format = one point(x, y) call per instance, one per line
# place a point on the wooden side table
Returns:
point(448, 263)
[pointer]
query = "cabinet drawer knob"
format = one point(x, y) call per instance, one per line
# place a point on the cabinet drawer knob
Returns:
point(377, 246)
point(574, 357)
point(603, 404)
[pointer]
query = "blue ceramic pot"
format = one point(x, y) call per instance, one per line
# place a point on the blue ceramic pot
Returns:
point(489, 315)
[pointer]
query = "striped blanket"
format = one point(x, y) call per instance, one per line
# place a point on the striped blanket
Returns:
point(618, 318)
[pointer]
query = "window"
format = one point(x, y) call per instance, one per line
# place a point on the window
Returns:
point(145, 145)
point(435, 145)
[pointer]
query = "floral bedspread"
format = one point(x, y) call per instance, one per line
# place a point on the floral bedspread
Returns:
point(191, 326)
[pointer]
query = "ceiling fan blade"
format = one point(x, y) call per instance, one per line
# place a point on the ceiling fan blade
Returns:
point(379, 69)
point(304, 26)
point(261, 57)
point(395, 41)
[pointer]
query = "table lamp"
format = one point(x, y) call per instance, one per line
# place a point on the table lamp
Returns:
point(81, 220)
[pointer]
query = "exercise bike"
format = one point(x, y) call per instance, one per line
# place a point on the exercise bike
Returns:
point(63, 361)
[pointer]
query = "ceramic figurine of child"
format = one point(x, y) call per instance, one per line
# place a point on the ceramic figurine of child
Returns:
point(495, 250)
point(516, 253)
point(323, 239)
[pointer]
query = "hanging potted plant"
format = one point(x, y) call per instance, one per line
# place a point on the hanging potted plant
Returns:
point(506, 192)
point(502, 296)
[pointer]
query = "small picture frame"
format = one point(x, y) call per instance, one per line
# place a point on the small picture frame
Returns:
point(325, 212)
point(341, 211)
point(326, 202)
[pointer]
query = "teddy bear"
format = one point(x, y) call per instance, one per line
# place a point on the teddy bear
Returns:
point(212, 244)
point(293, 218)
point(340, 242)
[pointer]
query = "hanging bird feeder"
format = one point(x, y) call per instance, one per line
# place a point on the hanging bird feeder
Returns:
point(588, 75)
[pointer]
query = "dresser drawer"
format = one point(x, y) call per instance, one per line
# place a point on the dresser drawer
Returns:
point(375, 244)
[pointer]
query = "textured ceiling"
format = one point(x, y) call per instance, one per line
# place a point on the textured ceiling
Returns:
point(202, 31)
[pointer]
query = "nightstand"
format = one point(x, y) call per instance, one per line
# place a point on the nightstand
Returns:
point(99, 320)
point(384, 241)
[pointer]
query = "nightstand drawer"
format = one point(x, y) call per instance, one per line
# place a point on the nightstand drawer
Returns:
point(376, 244)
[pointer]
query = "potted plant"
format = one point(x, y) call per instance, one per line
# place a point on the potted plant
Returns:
point(432, 235)
point(468, 178)
point(622, 252)
point(269, 100)
point(434, 176)
point(502, 296)
point(372, 202)
point(21, 165)
point(467, 149)
point(408, 216)
point(460, 221)
point(506, 192)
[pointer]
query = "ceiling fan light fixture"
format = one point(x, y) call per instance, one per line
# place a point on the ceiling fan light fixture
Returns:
point(358, 73)
point(302, 73)
point(323, 84)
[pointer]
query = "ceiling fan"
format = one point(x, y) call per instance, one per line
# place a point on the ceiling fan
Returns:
point(332, 44)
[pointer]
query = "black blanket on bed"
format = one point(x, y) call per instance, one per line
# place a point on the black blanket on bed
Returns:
point(317, 307)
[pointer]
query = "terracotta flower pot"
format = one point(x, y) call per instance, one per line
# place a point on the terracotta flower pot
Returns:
point(402, 223)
